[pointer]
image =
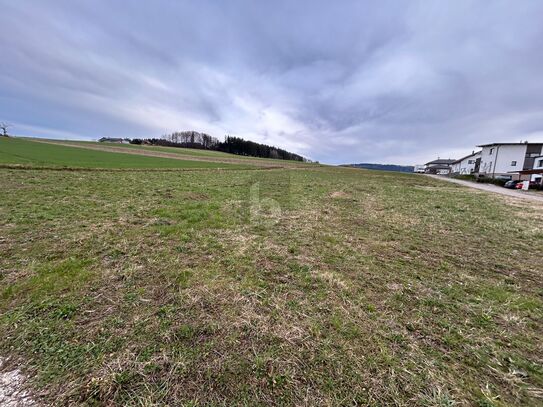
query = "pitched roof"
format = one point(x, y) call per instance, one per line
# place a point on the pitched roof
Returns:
point(468, 156)
point(441, 161)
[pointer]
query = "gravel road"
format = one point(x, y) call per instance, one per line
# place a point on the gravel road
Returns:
point(527, 195)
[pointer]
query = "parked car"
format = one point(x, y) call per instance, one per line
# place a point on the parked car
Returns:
point(512, 184)
point(533, 184)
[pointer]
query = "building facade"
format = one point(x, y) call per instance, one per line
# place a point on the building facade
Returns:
point(439, 167)
point(467, 165)
point(538, 165)
point(504, 160)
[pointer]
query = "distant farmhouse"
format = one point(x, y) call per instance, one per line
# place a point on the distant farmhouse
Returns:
point(467, 165)
point(114, 140)
point(439, 166)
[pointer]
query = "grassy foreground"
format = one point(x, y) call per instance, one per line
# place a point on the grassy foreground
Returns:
point(323, 286)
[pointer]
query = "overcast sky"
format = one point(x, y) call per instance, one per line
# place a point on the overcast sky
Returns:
point(337, 81)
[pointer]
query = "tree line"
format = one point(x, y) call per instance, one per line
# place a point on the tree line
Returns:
point(233, 145)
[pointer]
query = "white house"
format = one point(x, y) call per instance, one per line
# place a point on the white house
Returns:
point(467, 165)
point(439, 166)
point(503, 160)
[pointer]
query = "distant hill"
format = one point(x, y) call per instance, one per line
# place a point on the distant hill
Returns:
point(383, 167)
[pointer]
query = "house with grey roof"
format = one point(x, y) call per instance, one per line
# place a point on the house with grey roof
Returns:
point(439, 166)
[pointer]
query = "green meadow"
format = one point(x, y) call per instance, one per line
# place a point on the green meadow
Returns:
point(186, 153)
point(175, 150)
point(28, 152)
point(289, 286)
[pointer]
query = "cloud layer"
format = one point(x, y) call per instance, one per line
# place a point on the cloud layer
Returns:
point(349, 81)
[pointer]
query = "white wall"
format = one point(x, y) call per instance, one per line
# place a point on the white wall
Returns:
point(467, 165)
point(501, 158)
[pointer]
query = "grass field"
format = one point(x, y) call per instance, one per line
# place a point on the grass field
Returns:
point(314, 286)
point(181, 151)
point(188, 153)
point(31, 153)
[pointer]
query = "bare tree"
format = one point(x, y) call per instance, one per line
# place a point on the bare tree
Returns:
point(4, 127)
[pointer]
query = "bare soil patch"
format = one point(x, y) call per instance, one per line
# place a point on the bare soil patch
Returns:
point(340, 195)
point(12, 388)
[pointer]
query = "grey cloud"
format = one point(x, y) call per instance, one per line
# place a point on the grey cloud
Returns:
point(350, 81)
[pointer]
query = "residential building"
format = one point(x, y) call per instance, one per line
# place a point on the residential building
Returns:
point(419, 168)
point(467, 165)
point(536, 173)
point(504, 160)
point(439, 166)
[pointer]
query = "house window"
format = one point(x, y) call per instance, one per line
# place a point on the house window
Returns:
point(491, 151)
point(513, 163)
point(470, 161)
point(540, 163)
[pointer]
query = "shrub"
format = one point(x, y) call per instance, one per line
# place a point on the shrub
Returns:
point(495, 181)
point(466, 177)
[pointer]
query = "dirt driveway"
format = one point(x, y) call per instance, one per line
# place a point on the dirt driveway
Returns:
point(532, 196)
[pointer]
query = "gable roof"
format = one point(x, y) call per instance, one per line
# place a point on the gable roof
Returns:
point(468, 156)
point(441, 161)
